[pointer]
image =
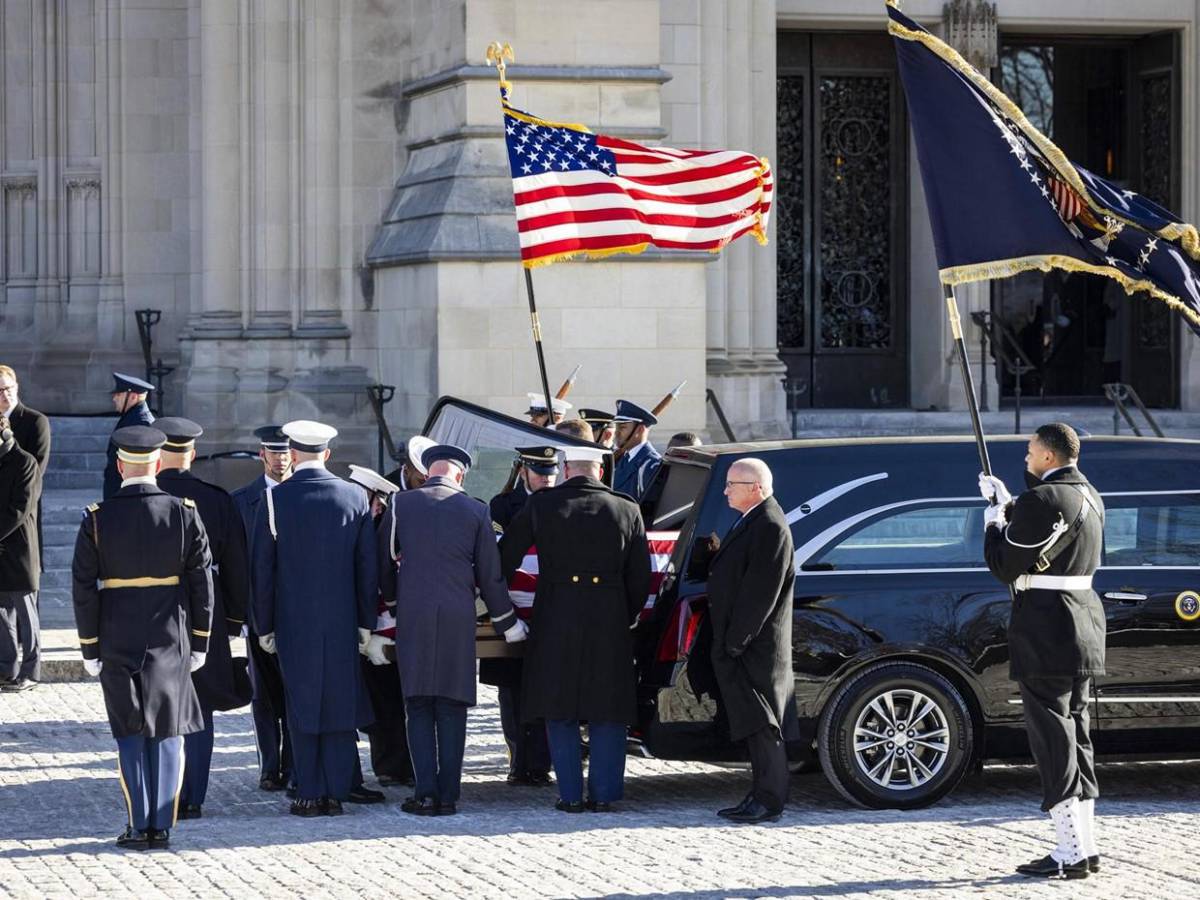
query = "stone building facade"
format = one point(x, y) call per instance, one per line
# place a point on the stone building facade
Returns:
point(315, 196)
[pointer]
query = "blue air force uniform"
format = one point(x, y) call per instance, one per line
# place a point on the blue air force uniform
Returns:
point(636, 469)
point(138, 414)
point(143, 601)
point(221, 683)
point(315, 590)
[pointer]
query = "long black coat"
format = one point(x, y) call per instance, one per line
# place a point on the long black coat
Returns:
point(20, 489)
point(593, 578)
point(750, 600)
point(138, 414)
point(501, 671)
point(1051, 633)
point(144, 635)
point(221, 683)
point(32, 431)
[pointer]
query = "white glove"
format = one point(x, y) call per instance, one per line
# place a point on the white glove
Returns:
point(994, 516)
point(267, 642)
point(93, 667)
point(375, 649)
point(197, 660)
point(994, 490)
point(516, 632)
point(364, 638)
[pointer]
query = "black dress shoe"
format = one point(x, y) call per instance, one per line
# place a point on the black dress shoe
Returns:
point(755, 812)
point(601, 806)
point(271, 783)
point(446, 809)
point(160, 838)
point(330, 807)
point(575, 806)
point(21, 684)
point(133, 840)
point(366, 795)
point(292, 791)
point(395, 780)
point(190, 811)
point(307, 809)
point(735, 810)
point(1094, 863)
point(425, 806)
point(538, 779)
point(516, 778)
point(1049, 867)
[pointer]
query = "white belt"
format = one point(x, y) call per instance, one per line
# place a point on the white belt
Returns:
point(1053, 582)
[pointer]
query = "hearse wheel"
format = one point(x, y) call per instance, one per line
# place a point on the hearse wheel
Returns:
point(896, 736)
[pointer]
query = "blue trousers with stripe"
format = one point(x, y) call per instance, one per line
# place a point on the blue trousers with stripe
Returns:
point(606, 759)
point(151, 772)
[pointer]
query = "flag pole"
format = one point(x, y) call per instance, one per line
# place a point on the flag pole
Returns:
point(968, 383)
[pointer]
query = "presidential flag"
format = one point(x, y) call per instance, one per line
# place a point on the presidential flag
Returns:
point(579, 193)
point(1004, 199)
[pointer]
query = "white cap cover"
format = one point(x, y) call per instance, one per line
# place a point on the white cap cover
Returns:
point(538, 401)
point(584, 454)
point(308, 436)
point(371, 480)
point(415, 449)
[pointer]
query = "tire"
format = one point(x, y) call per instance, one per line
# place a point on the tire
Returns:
point(906, 775)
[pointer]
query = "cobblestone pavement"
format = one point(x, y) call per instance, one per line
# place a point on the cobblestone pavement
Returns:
point(60, 809)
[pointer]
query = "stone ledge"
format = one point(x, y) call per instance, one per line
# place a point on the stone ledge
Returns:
point(649, 74)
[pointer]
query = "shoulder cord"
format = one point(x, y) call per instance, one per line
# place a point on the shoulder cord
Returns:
point(271, 515)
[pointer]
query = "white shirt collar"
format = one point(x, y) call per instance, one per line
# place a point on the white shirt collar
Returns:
point(1050, 472)
point(309, 464)
point(140, 479)
point(753, 508)
point(636, 450)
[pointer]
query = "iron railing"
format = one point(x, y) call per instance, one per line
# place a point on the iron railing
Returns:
point(155, 370)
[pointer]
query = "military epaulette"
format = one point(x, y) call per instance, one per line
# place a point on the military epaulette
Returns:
point(92, 507)
point(496, 527)
point(189, 502)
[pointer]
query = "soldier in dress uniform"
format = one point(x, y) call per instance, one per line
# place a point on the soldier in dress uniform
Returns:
point(593, 578)
point(602, 425)
point(129, 400)
point(1046, 544)
point(411, 472)
point(222, 684)
point(314, 591)
point(143, 600)
point(388, 736)
point(268, 708)
point(537, 410)
point(528, 753)
point(637, 467)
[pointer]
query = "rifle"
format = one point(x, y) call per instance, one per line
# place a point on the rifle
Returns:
point(662, 405)
point(515, 471)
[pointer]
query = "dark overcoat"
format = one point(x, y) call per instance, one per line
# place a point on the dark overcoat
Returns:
point(20, 490)
point(221, 683)
point(138, 414)
point(1051, 633)
point(436, 549)
point(496, 670)
point(32, 431)
point(314, 584)
point(593, 578)
point(750, 600)
point(144, 634)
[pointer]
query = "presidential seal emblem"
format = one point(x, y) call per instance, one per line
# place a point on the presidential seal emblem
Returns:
point(1187, 606)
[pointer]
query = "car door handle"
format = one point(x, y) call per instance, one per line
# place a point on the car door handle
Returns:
point(1125, 596)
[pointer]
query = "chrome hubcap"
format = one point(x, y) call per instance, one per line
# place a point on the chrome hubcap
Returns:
point(901, 739)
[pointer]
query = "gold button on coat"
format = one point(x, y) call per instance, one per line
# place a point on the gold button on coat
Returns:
point(574, 577)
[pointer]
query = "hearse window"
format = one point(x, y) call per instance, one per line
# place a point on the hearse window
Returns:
point(1152, 531)
point(930, 537)
point(679, 495)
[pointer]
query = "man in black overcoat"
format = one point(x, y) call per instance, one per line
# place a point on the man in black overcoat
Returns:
point(750, 600)
point(223, 683)
point(143, 600)
point(129, 400)
point(593, 578)
point(20, 488)
point(32, 432)
point(1046, 544)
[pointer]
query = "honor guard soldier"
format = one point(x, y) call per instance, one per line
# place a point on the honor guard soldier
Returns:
point(129, 400)
point(528, 753)
point(602, 425)
point(143, 600)
point(267, 706)
point(537, 410)
point(640, 461)
point(388, 735)
point(437, 552)
point(411, 471)
point(315, 590)
point(1046, 544)
point(593, 578)
point(222, 684)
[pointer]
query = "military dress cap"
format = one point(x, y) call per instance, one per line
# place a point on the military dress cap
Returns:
point(128, 384)
point(138, 444)
point(271, 437)
point(371, 480)
point(537, 404)
point(415, 448)
point(542, 460)
point(308, 436)
point(631, 412)
point(447, 452)
point(584, 454)
point(181, 433)
point(595, 416)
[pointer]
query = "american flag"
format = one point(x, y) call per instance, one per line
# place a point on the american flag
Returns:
point(583, 193)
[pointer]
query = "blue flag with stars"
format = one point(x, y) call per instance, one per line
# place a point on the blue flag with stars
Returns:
point(1004, 199)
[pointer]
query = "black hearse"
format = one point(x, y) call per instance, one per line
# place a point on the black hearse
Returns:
point(899, 645)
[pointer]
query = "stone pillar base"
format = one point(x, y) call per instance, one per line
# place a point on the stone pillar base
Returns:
point(750, 391)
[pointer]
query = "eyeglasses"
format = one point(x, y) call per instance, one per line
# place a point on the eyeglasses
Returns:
point(732, 483)
point(8, 388)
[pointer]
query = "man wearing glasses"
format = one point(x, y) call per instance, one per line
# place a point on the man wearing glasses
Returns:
point(750, 597)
